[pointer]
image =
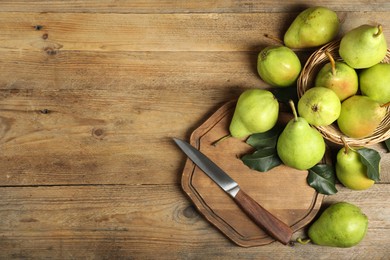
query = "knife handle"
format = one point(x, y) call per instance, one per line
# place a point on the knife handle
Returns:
point(263, 218)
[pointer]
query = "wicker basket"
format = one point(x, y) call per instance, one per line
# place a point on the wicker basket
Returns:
point(332, 132)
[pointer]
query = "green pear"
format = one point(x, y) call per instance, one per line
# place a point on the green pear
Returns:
point(360, 116)
point(313, 27)
point(363, 46)
point(340, 225)
point(339, 77)
point(256, 111)
point(374, 82)
point(319, 106)
point(278, 66)
point(299, 145)
point(350, 170)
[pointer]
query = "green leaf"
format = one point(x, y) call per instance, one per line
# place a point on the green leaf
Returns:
point(322, 178)
point(371, 159)
point(266, 139)
point(262, 160)
point(387, 143)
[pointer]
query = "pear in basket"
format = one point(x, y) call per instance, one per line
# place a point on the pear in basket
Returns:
point(360, 116)
point(363, 46)
point(375, 82)
point(339, 77)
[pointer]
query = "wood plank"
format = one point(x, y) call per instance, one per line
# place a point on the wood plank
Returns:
point(171, 6)
point(153, 32)
point(128, 221)
point(147, 74)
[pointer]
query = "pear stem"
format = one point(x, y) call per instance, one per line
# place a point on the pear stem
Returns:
point(332, 62)
point(293, 110)
point(386, 104)
point(223, 138)
point(346, 146)
point(380, 30)
point(274, 38)
point(303, 241)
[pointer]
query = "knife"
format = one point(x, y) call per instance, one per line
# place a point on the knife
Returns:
point(263, 218)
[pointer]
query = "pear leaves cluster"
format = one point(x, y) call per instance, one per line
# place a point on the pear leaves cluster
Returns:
point(364, 167)
point(321, 177)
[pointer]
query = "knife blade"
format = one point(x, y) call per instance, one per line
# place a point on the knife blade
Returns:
point(259, 215)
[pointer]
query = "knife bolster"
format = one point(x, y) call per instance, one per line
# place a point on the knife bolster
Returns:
point(233, 191)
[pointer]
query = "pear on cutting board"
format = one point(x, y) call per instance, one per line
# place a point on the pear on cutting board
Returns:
point(363, 46)
point(312, 27)
point(256, 111)
point(299, 145)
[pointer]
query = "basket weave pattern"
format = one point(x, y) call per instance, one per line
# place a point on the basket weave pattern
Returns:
point(332, 132)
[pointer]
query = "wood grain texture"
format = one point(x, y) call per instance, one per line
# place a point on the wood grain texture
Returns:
point(129, 222)
point(172, 6)
point(56, 32)
point(91, 93)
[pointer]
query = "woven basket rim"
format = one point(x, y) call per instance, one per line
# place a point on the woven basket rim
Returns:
point(332, 133)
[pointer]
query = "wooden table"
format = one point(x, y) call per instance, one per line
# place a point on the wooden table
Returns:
point(91, 93)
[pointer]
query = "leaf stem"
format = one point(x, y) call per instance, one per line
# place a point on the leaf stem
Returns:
point(332, 62)
point(380, 30)
point(293, 110)
point(274, 38)
point(223, 138)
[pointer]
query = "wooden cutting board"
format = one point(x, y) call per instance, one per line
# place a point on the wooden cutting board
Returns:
point(283, 190)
